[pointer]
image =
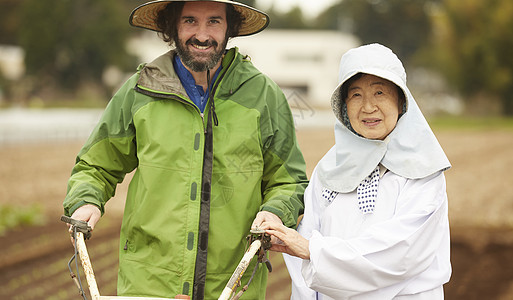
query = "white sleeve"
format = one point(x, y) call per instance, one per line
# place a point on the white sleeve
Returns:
point(309, 223)
point(388, 252)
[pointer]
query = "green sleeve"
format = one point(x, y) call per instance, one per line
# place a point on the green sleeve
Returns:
point(285, 179)
point(107, 156)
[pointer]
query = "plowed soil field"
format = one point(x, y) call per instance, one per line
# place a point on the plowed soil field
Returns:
point(33, 260)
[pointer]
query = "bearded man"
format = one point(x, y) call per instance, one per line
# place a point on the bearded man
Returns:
point(212, 142)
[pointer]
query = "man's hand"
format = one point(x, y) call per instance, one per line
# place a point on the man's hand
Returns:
point(265, 216)
point(89, 213)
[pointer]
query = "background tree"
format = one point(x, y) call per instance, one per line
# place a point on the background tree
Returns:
point(9, 21)
point(69, 43)
point(402, 25)
point(290, 19)
point(471, 47)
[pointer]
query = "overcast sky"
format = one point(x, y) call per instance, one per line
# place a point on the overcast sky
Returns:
point(310, 8)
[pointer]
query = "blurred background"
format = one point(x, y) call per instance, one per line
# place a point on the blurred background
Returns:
point(62, 60)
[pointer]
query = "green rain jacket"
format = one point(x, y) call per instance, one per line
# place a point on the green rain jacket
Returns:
point(152, 126)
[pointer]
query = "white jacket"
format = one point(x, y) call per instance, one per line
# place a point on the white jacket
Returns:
point(402, 249)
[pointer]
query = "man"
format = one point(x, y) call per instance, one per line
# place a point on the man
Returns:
point(213, 144)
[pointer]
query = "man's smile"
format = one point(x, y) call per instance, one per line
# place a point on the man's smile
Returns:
point(200, 47)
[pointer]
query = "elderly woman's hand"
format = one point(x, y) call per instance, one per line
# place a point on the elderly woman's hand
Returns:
point(288, 240)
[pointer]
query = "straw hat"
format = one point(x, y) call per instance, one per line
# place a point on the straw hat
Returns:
point(144, 16)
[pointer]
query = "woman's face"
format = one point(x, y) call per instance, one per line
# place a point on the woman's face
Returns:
point(373, 106)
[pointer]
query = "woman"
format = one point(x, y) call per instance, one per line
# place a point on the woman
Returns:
point(376, 222)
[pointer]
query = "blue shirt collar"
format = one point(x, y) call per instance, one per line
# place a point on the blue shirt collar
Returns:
point(194, 91)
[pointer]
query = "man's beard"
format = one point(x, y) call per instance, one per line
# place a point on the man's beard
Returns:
point(190, 60)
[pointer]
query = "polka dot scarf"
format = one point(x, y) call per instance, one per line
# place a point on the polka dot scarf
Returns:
point(328, 196)
point(367, 192)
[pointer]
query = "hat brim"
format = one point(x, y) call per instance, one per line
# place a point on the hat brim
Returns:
point(144, 16)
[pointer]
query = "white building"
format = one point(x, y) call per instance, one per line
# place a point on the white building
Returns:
point(303, 60)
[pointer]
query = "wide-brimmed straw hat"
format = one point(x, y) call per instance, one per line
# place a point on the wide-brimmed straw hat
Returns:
point(144, 16)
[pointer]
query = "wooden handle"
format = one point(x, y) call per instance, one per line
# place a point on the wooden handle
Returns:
point(86, 265)
point(231, 286)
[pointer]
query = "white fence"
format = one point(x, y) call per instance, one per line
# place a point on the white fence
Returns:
point(46, 125)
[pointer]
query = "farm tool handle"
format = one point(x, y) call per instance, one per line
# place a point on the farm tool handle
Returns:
point(259, 243)
point(80, 232)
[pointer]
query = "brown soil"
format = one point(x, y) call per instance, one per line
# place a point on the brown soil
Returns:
point(33, 260)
